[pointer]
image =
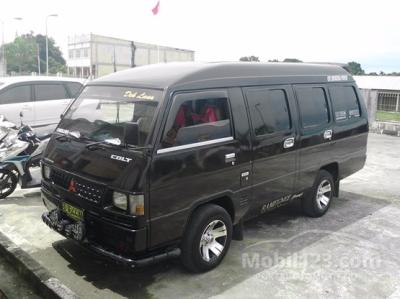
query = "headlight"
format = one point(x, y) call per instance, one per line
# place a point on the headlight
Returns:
point(133, 204)
point(46, 172)
point(120, 201)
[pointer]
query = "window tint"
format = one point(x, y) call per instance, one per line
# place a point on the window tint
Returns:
point(44, 92)
point(197, 120)
point(18, 94)
point(269, 110)
point(313, 106)
point(74, 88)
point(345, 102)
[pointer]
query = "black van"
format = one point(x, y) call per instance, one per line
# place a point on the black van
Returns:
point(167, 160)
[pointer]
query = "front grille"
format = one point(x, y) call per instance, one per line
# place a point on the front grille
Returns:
point(85, 189)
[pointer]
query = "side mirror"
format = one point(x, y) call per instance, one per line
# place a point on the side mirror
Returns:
point(131, 133)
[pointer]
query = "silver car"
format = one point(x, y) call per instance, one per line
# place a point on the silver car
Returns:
point(39, 100)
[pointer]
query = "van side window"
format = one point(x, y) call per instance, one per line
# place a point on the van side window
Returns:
point(269, 110)
point(313, 106)
point(17, 94)
point(45, 92)
point(197, 121)
point(345, 102)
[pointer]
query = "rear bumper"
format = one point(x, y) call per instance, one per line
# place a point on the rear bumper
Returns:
point(120, 244)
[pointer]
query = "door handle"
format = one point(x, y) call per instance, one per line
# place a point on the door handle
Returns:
point(328, 134)
point(288, 143)
point(230, 158)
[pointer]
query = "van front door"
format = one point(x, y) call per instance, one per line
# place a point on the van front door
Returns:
point(201, 157)
point(274, 143)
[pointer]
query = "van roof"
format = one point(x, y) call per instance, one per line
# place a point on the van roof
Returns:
point(192, 74)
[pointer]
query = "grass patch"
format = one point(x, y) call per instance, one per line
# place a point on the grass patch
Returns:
point(388, 116)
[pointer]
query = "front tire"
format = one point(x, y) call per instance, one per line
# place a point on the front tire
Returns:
point(207, 238)
point(8, 183)
point(318, 200)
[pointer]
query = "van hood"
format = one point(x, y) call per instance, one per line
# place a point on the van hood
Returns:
point(114, 166)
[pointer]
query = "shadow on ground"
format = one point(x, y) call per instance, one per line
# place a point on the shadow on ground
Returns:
point(169, 279)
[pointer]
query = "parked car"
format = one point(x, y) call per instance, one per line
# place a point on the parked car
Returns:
point(40, 100)
point(168, 160)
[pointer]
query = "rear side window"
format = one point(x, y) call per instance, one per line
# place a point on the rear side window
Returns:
point(269, 110)
point(197, 120)
point(45, 92)
point(313, 106)
point(345, 102)
point(17, 94)
point(74, 88)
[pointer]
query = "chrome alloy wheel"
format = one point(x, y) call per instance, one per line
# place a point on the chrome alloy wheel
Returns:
point(324, 194)
point(213, 240)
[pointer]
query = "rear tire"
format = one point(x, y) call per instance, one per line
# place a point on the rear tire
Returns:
point(317, 201)
point(207, 238)
point(8, 183)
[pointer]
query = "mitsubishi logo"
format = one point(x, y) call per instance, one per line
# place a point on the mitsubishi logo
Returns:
point(72, 186)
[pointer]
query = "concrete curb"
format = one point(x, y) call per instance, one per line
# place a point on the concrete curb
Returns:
point(40, 278)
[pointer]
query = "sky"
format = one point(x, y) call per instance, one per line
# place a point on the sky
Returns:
point(225, 30)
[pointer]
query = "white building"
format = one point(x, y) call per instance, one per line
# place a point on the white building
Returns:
point(95, 55)
point(387, 89)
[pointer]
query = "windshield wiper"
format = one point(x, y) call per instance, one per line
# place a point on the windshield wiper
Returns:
point(111, 142)
point(71, 135)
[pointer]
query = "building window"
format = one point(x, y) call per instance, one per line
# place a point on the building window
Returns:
point(71, 54)
point(86, 52)
point(78, 53)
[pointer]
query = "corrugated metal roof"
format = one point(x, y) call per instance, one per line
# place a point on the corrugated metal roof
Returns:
point(378, 82)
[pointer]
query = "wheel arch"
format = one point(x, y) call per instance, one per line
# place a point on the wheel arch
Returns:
point(333, 169)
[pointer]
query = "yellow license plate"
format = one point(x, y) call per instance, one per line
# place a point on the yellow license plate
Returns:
point(73, 212)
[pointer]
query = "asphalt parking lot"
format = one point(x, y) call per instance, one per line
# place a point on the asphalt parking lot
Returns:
point(350, 252)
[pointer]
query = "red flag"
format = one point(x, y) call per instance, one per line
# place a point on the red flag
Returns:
point(156, 8)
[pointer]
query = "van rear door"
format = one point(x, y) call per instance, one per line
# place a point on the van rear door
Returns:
point(315, 148)
point(274, 143)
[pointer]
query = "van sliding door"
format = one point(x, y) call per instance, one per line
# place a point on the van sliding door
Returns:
point(274, 143)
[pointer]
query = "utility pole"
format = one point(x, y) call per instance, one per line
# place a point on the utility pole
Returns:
point(38, 58)
point(47, 45)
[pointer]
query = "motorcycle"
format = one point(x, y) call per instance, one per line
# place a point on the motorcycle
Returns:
point(20, 153)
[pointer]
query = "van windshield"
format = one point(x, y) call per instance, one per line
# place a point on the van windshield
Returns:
point(101, 112)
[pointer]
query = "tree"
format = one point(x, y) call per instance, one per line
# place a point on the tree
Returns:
point(355, 68)
point(56, 60)
point(292, 60)
point(21, 55)
point(249, 58)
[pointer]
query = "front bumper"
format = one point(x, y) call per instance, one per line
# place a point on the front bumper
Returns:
point(103, 236)
point(77, 231)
